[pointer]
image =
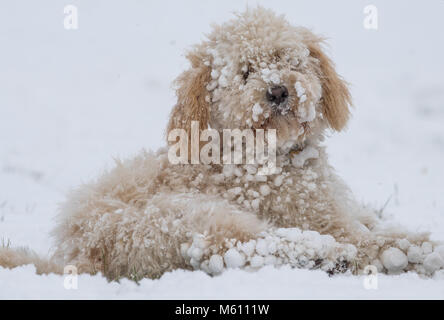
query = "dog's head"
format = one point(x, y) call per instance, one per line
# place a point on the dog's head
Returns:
point(258, 71)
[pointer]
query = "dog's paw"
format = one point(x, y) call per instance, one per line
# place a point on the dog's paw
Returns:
point(285, 246)
point(311, 250)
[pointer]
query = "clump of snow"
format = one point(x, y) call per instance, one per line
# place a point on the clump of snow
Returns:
point(251, 169)
point(234, 192)
point(217, 61)
point(404, 244)
point(309, 152)
point(257, 110)
point(265, 190)
point(248, 247)
point(215, 74)
point(433, 262)
point(307, 113)
point(228, 170)
point(300, 91)
point(262, 247)
point(377, 263)
point(394, 260)
point(211, 86)
point(255, 203)
point(278, 180)
point(284, 246)
point(414, 254)
point(290, 234)
point(440, 249)
point(270, 76)
point(427, 247)
point(257, 261)
point(274, 78)
point(216, 264)
point(234, 259)
point(223, 81)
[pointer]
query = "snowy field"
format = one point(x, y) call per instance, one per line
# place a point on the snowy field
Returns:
point(72, 100)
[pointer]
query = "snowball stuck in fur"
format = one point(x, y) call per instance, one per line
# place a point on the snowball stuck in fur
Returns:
point(233, 259)
point(262, 247)
point(378, 265)
point(394, 260)
point(216, 264)
point(404, 244)
point(440, 250)
point(433, 262)
point(257, 261)
point(248, 247)
point(299, 159)
point(427, 247)
point(414, 254)
point(290, 234)
point(255, 203)
point(278, 180)
point(257, 110)
point(307, 113)
point(265, 190)
point(270, 76)
point(300, 91)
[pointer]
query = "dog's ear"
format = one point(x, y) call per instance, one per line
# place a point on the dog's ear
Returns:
point(192, 101)
point(336, 99)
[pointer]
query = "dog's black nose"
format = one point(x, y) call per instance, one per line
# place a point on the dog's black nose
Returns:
point(277, 94)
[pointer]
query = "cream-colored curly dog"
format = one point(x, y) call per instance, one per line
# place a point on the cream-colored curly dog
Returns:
point(148, 216)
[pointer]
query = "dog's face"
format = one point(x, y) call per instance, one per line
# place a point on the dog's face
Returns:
point(257, 71)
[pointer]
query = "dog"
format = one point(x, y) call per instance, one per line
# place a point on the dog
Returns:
point(148, 216)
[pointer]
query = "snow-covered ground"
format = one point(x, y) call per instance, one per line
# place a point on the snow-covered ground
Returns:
point(70, 101)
